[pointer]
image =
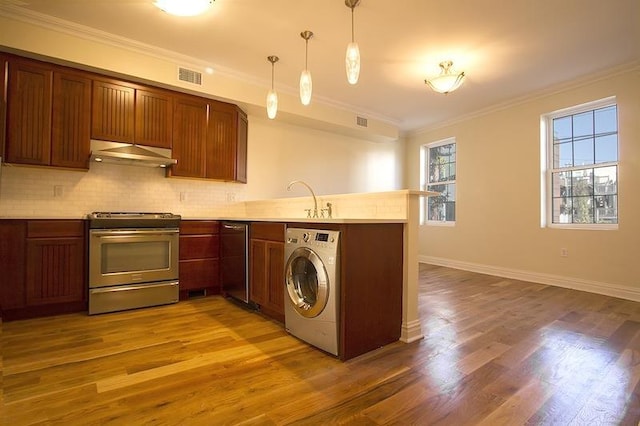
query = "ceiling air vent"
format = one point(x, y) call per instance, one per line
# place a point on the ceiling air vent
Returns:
point(190, 76)
point(362, 122)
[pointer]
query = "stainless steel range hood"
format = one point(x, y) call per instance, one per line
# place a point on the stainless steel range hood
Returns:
point(130, 154)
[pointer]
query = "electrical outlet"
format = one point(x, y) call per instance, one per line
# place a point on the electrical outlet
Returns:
point(231, 196)
point(183, 196)
point(564, 252)
point(58, 190)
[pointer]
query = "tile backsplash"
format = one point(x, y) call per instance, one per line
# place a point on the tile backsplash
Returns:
point(31, 192)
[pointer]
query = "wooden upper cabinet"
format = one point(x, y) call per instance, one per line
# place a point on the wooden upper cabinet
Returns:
point(129, 113)
point(71, 120)
point(227, 143)
point(154, 118)
point(113, 111)
point(241, 147)
point(29, 113)
point(221, 141)
point(189, 136)
point(48, 115)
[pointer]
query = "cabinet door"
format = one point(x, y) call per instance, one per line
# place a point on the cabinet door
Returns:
point(241, 151)
point(12, 244)
point(154, 118)
point(189, 137)
point(221, 142)
point(29, 113)
point(113, 112)
point(55, 270)
point(196, 274)
point(4, 65)
point(275, 275)
point(71, 120)
point(258, 286)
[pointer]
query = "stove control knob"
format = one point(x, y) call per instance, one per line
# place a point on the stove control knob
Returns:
point(305, 237)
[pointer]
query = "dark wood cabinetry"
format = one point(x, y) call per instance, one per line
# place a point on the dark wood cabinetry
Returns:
point(199, 258)
point(209, 140)
point(4, 65)
point(130, 113)
point(44, 262)
point(48, 115)
point(266, 266)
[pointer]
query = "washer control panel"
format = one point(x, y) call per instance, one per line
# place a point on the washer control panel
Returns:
point(312, 237)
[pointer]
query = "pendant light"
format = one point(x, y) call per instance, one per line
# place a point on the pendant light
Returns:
point(306, 85)
point(184, 7)
point(272, 96)
point(447, 81)
point(352, 58)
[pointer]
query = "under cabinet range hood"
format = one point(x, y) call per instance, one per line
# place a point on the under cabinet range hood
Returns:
point(130, 154)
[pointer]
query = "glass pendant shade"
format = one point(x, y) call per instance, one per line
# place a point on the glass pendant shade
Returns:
point(306, 87)
point(447, 81)
point(184, 7)
point(272, 104)
point(352, 62)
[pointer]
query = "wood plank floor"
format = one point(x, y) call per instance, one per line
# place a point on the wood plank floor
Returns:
point(496, 352)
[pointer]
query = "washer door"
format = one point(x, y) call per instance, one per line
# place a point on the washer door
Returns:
point(307, 282)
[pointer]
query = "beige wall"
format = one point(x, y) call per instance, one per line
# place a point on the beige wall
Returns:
point(498, 203)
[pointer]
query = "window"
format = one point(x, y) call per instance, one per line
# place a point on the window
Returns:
point(581, 177)
point(439, 175)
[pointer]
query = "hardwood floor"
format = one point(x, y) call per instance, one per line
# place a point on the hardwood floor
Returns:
point(495, 352)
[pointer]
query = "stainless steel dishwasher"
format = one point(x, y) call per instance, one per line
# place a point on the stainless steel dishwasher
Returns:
point(234, 260)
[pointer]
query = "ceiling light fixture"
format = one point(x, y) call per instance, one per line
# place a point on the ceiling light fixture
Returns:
point(184, 7)
point(352, 59)
point(272, 96)
point(447, 81)
point(306, 85)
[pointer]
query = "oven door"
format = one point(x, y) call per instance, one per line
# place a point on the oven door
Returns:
point(131, 256)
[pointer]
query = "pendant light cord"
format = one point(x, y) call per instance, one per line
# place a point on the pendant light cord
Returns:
point(352, 25)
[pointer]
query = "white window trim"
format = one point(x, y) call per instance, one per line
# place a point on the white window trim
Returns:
point(546, 138)
point(424, 150)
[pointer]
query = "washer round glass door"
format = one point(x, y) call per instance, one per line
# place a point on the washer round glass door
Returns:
point(307, 282)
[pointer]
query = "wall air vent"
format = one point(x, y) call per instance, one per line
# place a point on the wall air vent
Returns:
point(190, 76)
point(362, 122)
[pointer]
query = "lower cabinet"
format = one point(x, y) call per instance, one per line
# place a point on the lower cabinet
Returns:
point(43, 264)
point(266, 263)
point(199, 258)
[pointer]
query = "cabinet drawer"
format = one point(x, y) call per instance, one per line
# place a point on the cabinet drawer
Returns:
point(55, 228)
point(199, 273)
point(193, 227)
point(271, 231)
point(199, 247)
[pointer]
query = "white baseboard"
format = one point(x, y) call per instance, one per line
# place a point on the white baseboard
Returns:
point(411, 331)
point(536, 277)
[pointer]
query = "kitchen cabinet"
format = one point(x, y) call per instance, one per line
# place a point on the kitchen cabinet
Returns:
point(266, 266)
point(209, 140)
point(3, 103)
point(130, 113)
point(189, 137)
point(199, 263)
point(44, 264)
point(48, 115)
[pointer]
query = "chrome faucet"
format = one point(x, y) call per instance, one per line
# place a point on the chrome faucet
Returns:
point(315, 201)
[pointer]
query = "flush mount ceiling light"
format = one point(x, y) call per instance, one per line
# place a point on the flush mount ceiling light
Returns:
point(184, 7)
point(352, 59)
point(272, 96)
point(447, 81)
point(306, 85)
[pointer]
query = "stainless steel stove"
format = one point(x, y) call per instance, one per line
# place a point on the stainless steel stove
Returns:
point(133, 260)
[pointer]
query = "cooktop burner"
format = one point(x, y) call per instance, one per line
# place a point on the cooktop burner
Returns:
point(111, 220)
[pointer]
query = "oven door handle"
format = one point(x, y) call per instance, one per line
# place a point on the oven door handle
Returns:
point(133, 287)
point(134, 232)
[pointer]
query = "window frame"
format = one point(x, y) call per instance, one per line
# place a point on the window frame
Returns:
point(547, 166)
point(424, 183)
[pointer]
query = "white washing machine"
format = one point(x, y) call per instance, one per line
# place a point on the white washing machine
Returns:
point(312, 275)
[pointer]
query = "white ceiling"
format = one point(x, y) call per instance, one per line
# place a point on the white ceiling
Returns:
point(507, 48)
